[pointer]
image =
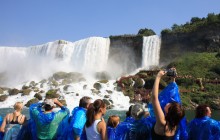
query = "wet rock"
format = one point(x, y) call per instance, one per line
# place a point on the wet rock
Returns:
point(95, 91)
point(68, 88)
point(43, 81)
point(25, 87)
point(52, 93)
point(3, 98)
point(38, 96)
point(97, 86)
point(109, 91)
point(25, 92)
point(66, 81)
point(32, 101)
point(103, 81)
point(13, 91)
point(1, 91)
point(84, 87)
point(107, 96)
point(32, 84)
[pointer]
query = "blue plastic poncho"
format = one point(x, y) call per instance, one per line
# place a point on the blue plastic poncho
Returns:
point(204, 129)
point(45, 124)
point(76, 123)
point(1, 134)
point(123, 128)
point(141, 129)
point(132, 129)
point(168, 95)
point(111, 133)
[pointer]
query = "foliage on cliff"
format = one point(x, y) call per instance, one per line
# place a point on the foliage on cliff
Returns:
point(199, 79)
point(194, 24)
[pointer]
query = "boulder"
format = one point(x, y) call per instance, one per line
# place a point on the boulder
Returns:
point(1, 91)
point(107, 96)
point(54, 83)
point(13, 91)
point(32, 84)
point(66, 81)
point(3, 98)
point(60, 75)
point(103, 81)
point(25, 87)
point(97, 86)
point(109, 91)
point(25, 92)
point(95, 91)
point(31, 101)
point(43, 81)
point(84, 87)
point(68, 88)
point(38, 96)
point(139, 83)
point(52, 93)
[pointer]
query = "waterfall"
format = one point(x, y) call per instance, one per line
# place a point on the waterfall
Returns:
point(151, 51)
point(19, 64)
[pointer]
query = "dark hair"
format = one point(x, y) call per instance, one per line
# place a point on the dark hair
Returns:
point(201, 111)
point(128, 113)
point(84, 101)
point(113, 121)
point(93, 109)
point(174, 115)
point(48, 107)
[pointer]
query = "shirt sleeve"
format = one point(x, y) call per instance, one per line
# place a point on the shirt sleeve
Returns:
point(35, 110)
point(62, 113)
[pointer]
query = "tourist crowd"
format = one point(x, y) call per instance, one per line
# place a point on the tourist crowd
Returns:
point(164, 120)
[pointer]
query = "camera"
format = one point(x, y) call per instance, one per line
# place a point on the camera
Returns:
point(171, 72)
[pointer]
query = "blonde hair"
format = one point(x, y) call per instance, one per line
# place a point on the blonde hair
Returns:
point(18, 106)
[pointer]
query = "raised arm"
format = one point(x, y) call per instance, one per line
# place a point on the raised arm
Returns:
point(160, 118)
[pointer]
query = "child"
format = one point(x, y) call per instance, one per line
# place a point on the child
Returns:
point(113, 122)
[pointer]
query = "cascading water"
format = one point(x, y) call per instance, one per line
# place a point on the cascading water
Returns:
point(151, 51)
point(36, 62)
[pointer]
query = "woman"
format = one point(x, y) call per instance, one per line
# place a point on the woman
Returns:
point(166, 125)
point(95, 124)
point(12, 122)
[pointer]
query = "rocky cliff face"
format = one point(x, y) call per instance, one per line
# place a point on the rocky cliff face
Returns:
point(127, 50)
point(204, 39)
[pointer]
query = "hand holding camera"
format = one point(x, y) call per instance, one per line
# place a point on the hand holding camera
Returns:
point(171, 72)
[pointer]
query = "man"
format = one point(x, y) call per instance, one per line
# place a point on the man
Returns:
point(48, 121)
point(78, 118)
point(203, 127)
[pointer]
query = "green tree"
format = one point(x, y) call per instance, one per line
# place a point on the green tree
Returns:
point(146, 32)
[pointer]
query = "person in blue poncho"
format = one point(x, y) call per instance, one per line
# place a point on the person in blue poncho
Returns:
point(123, 128)
point(168, 111)
point(141, 127)
point(203, 127)
point(78, 119)
point(112, 124)
point(47, 122)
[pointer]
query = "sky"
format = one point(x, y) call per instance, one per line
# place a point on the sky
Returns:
point(33, 22)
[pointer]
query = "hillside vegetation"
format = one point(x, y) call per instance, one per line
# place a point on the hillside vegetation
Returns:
point(199, 79)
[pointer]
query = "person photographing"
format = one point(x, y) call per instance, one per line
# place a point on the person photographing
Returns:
point(167, 121)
